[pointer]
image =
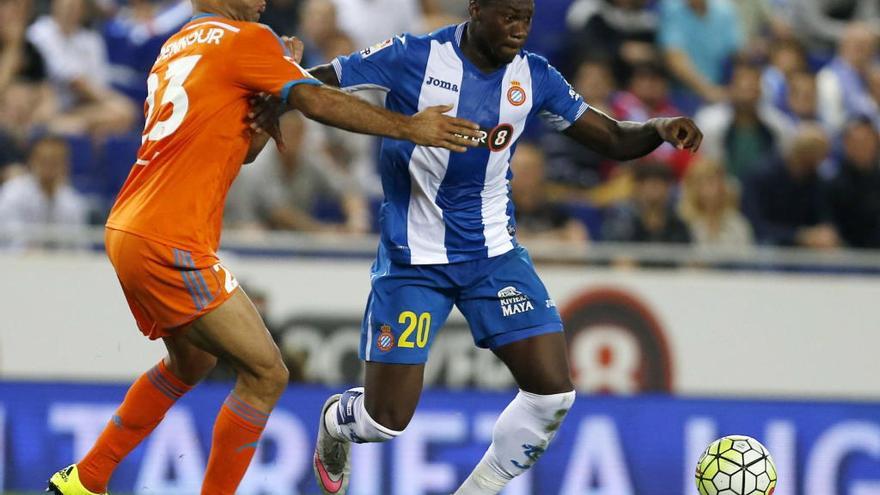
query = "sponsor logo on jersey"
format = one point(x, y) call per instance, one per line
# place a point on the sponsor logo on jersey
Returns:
point(439, 83)
point(514, 302)
point(385, 340)
point(496, 139)
point(366, 52)
point(516, 95)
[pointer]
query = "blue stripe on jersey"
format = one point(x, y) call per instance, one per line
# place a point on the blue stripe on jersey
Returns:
point(460, 194)
point(394, 158)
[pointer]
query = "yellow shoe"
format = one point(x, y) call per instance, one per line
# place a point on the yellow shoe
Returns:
point(66, 482)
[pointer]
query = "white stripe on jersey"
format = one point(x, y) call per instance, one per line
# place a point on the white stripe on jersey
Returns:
point(495, 189)
point(215, 23)
point(426, 231)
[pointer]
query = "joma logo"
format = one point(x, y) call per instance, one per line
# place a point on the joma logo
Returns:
point(433, 81)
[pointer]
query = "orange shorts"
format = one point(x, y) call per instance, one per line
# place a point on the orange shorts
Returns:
point(166, 287)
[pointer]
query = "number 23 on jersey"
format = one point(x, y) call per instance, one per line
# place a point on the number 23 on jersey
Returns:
point(170, 88)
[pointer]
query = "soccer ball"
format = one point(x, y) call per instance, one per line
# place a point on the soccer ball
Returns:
point(736, 465)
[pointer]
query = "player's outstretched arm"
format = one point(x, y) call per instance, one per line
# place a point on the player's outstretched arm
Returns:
point(630, 140)
point(426, 128)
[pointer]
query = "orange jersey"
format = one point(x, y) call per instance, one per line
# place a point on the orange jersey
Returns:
point(195, 138)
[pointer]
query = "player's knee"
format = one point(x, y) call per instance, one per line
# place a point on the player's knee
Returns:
point(550, 409)
point(268, 379)
point(390, 417)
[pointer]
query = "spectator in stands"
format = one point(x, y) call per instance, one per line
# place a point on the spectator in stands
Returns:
point(802, 102)
point(283, 16)
point(134, 36)
point(649, 216)
point(319, 30)
point(746, 131)
point(42, 197)
point(536, 217)
point(439, 13)
point(76, 60)
point(569, 162)
point(760, 25)
point(843, 84)
point(647, 97)
point(785, 203)
point(624, 31)
point(874, 82)
point(699, 37)
point(353, 153)
point(854, 195)
point(824, 23)
point(283, 190)
point(26, 99)
point(787, 57)
point(368, 22)
point(19, 59)
point(709, 205)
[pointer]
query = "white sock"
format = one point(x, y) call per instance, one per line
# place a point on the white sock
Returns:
point(349, 421)
point(522, 434)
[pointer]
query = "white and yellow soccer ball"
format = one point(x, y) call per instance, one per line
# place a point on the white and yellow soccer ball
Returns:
point(736, 465)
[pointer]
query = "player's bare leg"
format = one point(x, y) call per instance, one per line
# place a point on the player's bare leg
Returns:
point(527, 426)
point(235, 332)
point(377, 412)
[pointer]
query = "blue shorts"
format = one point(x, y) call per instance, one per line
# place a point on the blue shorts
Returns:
point(502, 299)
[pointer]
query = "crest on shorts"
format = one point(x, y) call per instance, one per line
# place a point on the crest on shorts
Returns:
point(385, 340)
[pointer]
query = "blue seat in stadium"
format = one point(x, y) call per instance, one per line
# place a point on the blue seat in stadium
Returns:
point(119, 154)
point(591, 216)
point(83, 165)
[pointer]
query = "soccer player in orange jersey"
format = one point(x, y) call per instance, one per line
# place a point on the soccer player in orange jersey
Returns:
point(164, 230)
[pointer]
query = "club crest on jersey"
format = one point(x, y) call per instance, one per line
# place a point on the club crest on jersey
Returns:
point(372, 50)
point(516, 95)
point(514, 302)
point(439, 83)
point(385, 340)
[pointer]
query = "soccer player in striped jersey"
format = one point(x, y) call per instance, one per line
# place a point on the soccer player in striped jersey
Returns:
point(448, 235)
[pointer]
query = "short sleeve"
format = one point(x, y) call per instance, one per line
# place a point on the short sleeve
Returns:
point(261, 63)
point(373, 67)
point(561, 105)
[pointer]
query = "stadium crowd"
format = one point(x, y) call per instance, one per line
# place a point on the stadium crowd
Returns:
point(787, 93)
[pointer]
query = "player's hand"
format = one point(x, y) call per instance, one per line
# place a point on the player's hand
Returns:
point(263, 117)
point(681, 132)
point(431, 127)
point(295, 46)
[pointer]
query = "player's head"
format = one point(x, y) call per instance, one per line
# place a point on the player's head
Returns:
point(237, 10)
point(501, 27)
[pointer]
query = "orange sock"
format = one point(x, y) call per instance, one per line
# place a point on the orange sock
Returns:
point(236, 433)
point(144, 406)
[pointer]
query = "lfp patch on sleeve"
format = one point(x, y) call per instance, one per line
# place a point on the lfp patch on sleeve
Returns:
point(366, 52)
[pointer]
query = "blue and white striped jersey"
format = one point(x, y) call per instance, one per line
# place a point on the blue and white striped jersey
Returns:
point(442, 207)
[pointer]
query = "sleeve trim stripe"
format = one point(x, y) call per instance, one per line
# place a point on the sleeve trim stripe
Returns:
point(337, 67)
point(364, 87)
point(285, 91)
point(581, 111)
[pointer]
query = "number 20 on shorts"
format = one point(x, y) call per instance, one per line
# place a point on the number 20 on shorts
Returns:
point(421, 324)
